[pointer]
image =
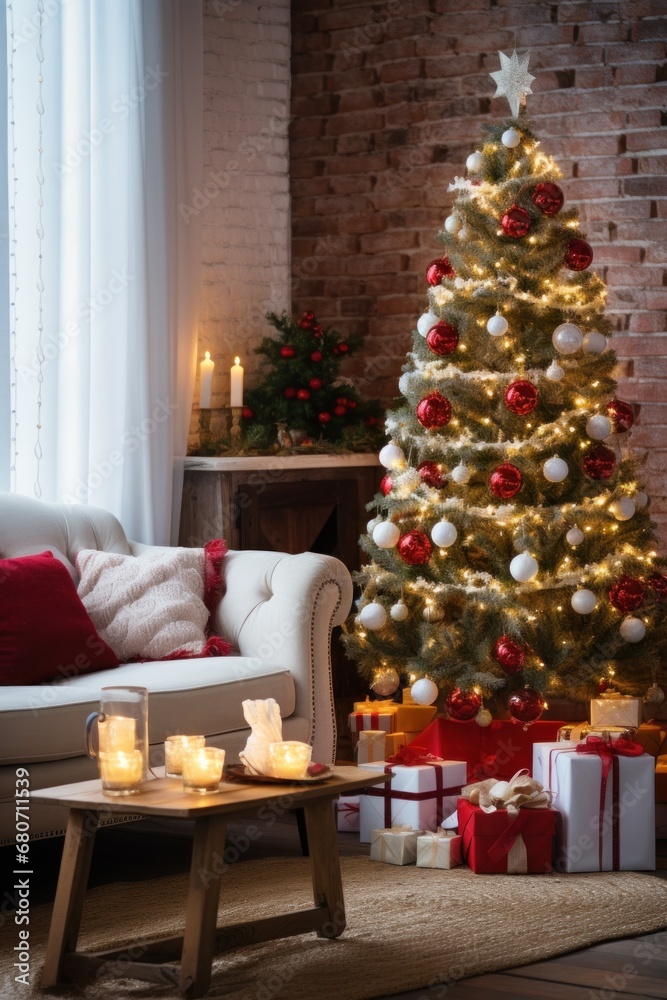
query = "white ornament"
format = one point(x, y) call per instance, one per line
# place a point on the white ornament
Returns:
point(372, 523)
point(465, 233)
point(392, 456)
point(399, 611)
point(497, 325)
point(373, 616)
point(567, 338)
point(483, 718)
point(386, 534)
point(594, 343)
point(443, 534)
point(584, 601)
point(461, 474)
point(554, 372)
point(432, 613)
point(523, 567)
point(599, 427)
point(426, 321)
point(641, 500)
point(655, 695)
point(453, 223)
point(510, 138)
point(555, 469)
point(623, 509)
point(633, 629)
point(385, 681)
point(513, 80)
point(575, 535)
point(475, 161)
point(424, 691)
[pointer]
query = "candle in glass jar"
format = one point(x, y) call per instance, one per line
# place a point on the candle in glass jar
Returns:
point(202, 769)
point(121, 773)
point(236, 376)
point(289, 759)
point(118, 733)
point(206, 381)
point(174, 748)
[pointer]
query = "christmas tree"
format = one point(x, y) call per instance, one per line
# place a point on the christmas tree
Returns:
point(302, 392)
point(512, 556)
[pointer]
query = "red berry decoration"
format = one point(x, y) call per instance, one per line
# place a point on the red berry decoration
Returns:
point(603, 685)
point(578, 255)
point(434, 410)
point(247, 413)
point(463, 705)
point(324, 418)
point(341, 401)
point(414, 548)
point(316, 356)
point(387, 481)
point(318, 331)
point(443, 338)
point(622, 415)
point(525, 705)
point(599, 462)
point(439, 269)
point(627, 594)
point(303, 394)
point(548, 198)
point(506, 481)
point(289, 393)
point(316, 383)
point(658, 582)
point(431, 475)
point(509, 654)
point(521, 397)
point(351, 403)
point(339, 411)
point(307, 320)
point(515, 222)
point(287, 351)
point(342, 348)
point(371, 422)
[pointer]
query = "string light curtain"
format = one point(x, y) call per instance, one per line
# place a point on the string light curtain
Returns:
point(105, 117)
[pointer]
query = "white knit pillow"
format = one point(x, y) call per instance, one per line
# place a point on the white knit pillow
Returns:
point(147, 607)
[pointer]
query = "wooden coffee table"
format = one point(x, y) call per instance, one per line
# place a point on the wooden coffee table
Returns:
point(186, 960)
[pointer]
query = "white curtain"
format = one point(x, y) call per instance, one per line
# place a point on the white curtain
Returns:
point(109, 378)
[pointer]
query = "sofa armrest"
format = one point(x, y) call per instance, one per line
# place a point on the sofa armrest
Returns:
point(280, 609)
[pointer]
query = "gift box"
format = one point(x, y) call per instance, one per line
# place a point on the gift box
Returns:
point(385, 720)
point(506, 842)
point(616, 710)
point(371, 746)
point(347, 813)
point(407, 717)
point(419, 795)
point(661, 779)
point(606, 799)
point(441, 849)
point(395, 742)
point(648, 735)
point(395, 845)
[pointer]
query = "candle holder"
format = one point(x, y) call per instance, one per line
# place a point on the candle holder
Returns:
point(174, 749)
point(289, 760)
point(202, 769)
point(121, 773)
point(235, 432)
point(205, 436)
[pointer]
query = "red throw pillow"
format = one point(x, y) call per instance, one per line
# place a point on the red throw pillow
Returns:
point(45, 631)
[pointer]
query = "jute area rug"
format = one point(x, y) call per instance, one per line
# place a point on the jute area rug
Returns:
point(407, 928)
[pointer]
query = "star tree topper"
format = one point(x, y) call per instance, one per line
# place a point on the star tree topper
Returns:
point(513, 80)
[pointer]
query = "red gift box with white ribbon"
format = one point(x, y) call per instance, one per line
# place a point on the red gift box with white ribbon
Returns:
point(504, 842)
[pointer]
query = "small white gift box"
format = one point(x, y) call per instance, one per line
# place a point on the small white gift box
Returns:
point(394, 846)
point(441, 849)
point(347, 813)
point(608, 823)
point(616, 711)
point(371, 746)
point(419, 796)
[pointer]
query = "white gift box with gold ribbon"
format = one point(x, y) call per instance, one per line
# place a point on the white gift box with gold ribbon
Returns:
point(441, 849)
point(396, 845)
point(616, 710)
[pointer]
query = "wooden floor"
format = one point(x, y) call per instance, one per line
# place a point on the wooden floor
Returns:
point(627, 969)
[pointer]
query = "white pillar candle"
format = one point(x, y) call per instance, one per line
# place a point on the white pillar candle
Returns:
point(206, 381)
point(236, 376)
point(174, 748)
point(289, 759)
point(121, 773)
point(118, 733)
point(202, 769)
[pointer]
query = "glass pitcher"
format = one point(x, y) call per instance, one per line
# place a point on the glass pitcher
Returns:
point(122, 738)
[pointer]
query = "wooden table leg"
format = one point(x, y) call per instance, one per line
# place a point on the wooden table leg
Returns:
point(202, 907)
point(325, 864)
point(72, 881)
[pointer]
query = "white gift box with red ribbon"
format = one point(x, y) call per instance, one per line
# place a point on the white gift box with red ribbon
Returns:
point(606, 800)
point(347, 813)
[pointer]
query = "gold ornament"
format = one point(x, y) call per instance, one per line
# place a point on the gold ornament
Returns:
point(432, 613)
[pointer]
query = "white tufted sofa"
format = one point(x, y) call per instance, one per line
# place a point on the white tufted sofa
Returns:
point(277, 611)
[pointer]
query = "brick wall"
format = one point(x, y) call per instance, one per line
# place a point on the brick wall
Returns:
point(244, 198)
point(388, 100)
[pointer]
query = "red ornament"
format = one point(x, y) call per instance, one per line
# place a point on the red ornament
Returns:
point(307, 320)
point(622, 415)
point(431, 475)
point(414, 548)
point(506, 481)
point(316, 383)
point(287, 351)
point(442, 338)
point(627, 594)
point(339, 411)
point(599, 462)
point(659, 584)
point(525, 705)
point(324, 418)
point(434, 410)
point(548, 198)
point(515, 222)
point(247, 413)
point(318, 331)
point(603, 685)
point(342, 348)
point(521, 397)
point(371, 422)
point(578, 255)
point(316, 356)
point(439, 269)
point(341, 401)
point(463, 705)
point(387, 481)
point(289, 393)
point(303, 394)
point(509, 654)
point(351, 403)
